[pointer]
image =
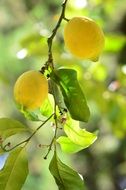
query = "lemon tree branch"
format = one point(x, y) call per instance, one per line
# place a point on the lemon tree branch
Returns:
point(49, 62)
point(28, 139)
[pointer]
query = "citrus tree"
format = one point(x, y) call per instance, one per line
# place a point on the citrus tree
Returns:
point(34, 90)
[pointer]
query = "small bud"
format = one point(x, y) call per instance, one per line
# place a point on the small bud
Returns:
point(63, 120)
point(9, 144)
point(65, 110)
point(61, 113)
point(48, 76)
point(39, 145)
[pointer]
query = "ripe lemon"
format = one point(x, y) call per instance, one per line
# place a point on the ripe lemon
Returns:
point(31, 89)
point(84, 38)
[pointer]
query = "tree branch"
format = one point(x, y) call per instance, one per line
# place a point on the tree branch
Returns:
point(28, 139)
point(49, 62)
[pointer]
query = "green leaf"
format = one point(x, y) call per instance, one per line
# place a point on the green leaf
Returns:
point(68, 146)
point(66, 178)
point(46, 108)
point(15, 170)
point(9, 127)
point(77, 135)
point(1, 151)
point(73, 95)
point(30, 115)
point(114, 43)
point(56, 92)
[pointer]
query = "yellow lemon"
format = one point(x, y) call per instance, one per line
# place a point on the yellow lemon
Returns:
point(31, 89)
point(84, 38)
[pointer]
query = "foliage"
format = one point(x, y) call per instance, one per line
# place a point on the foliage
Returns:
point(103, 84)
point(65, 177)
point(16, 167)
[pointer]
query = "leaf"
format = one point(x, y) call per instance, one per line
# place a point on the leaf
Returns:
point(1, 151)
point(66, 178)
point(46, 108)
point(114, 43)
point(73, 95)
point(77, 135)
point(30, 115)
point(9, 127)
point(15, 170)
point(56, 92)
point(68, 146)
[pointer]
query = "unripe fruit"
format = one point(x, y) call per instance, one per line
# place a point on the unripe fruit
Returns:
point(84, 38)
point(31, 89)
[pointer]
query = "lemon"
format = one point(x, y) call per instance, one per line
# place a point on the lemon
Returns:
point(84, 38)
point(31, 89)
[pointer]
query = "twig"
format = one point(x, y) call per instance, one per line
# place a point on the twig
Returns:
point(49, 62)
point(28, 139)
point(55, 134)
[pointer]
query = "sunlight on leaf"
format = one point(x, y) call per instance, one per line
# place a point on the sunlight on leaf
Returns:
point(77, 135)
point(68, 146)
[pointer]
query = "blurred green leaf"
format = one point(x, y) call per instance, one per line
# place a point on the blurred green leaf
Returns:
point(65, 177)
point(30, 115)
point(114, 43)
point(35, 44)
point(47, 108)
point(68, 146)
point(30, 38)
point(1, 151)
point(9, 127)
point(73, 95)
point(77, 135)
point(15, 170)
point(98, 71)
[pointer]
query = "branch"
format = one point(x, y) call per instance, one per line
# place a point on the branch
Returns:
point(28, 139)
point(49, 62)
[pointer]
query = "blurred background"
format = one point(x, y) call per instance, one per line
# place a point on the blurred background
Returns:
point(24, 28)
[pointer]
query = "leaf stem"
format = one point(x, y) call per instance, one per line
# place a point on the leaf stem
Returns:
point(28, 139)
